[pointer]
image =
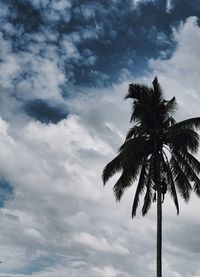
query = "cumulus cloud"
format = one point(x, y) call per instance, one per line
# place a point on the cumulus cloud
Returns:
point(137, 2)
point(77, 268)
point(32, 74)
point(109, 271)
point(101, 244)
point(35, 178)
point(169, 5)
point(180, 73)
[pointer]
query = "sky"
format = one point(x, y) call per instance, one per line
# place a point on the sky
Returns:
point(65, 67)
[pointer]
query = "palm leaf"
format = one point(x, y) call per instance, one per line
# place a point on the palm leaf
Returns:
point(149, 184)
point(137, 91)
point(181, 179)
point(111, 168)
point(134, 131)
point(140, 187)
point(171, 106)
point(182, 139)
point(189, 172)
point(123, 182)
point(188, 123)
point(147, 200)
point(135, 148)
point(171, 185)
point(191, 160)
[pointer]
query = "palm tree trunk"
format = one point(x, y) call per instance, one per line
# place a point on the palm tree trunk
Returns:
point(159, 232)
point(159, 218)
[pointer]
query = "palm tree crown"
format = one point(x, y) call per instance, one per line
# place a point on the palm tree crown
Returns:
point(157, 149)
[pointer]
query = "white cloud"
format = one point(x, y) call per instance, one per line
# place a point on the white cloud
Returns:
point(69, 47)
point(61, 5)
point(77, 269)
point(53, 11)
point(45, 166)
point(88, 11)
point(30, 74)
point(98, 244)
point(169, 5)
point(109, 271)
point(179, 75)
point(136, 2)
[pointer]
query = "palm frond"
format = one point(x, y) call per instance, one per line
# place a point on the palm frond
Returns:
point(123, 182)
point(137, 91)
point(189, 123)
point(171, 186)
point(181, 179)
point(171, 106)
point(157, 90)
point(134, 131)
point(112, 167)
point(135, 148)
point(140, 187)
point(192, 161)
point(133, 91)
point(132, 144)
point(149, 185)
point(188, 170)
point(130, 156)
point(147, 200)
point(182, 139)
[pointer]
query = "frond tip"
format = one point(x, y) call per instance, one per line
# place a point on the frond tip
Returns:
point(140, 187)
point(111, 168)
point(123, 182)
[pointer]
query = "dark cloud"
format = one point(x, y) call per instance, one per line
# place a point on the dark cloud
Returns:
point(23, 15)
point(6, 192)
point(44, 112)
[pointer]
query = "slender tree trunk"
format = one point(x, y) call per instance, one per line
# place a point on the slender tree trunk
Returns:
point(159, 218)
point(159, 232)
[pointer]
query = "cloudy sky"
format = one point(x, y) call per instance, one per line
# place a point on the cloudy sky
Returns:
point(65, 67)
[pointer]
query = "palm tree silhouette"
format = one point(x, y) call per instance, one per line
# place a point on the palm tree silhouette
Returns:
point(159, 151)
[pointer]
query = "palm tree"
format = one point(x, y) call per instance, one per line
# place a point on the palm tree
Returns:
point(158, 152)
